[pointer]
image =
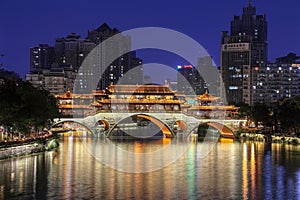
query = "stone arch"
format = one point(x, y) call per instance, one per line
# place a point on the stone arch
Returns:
point(166, 130)
point(224, 130)
point(74, 121)
point(104, 123)
point(181, 125)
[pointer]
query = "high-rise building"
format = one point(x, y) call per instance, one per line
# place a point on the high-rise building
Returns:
point(208, 78)
point(102, 33)
point(242, 53)
point(41, 57)
point(190, 81)
point(116, 49)
point(72, 50)
point(291, 58)
point(59, 80)
point(278, 80)
point(171, 84)
point(54, 68)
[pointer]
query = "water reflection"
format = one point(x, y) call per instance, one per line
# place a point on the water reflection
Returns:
point(137, 156)
point(24, 176)
point(232, 170)
point(268, 171)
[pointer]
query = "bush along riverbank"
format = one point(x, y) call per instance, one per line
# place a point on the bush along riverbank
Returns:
point(270, 138)
point(21, 149)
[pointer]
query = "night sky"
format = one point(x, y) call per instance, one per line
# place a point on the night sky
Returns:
point(28, 23)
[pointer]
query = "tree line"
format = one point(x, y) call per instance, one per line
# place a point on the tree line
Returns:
point(24, 108)
point(280, 117)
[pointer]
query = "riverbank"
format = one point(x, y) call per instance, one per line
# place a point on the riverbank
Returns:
point(26, 147)
point(269, 138)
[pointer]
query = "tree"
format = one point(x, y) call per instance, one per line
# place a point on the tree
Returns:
point(289, 114)
point(244, 110)
point(261, 113)
point(9, 103)
point(23, 107)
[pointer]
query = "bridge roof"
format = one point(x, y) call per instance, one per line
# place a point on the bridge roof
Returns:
point(146, 89)
point(207, 97)
point(216, 107)
point(70, 95)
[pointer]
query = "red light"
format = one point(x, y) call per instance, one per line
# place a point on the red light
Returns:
point(187, 66)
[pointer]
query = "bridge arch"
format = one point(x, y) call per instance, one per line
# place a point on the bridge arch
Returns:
point(72, 121)
point(166, 130)
point(181, 125)
point(224, 130)
point(103, 123)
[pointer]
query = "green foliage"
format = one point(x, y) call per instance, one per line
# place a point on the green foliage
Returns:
point(23, 107)
point(280, 117)
point(202, 130)
point(244, 110)
point(53, 144)
point(261, 113)
point(289, 114)
point(283, 116)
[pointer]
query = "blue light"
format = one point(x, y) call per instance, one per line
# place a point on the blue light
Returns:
point(179, 66)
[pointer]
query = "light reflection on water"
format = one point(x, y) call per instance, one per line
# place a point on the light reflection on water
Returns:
point(232, 170)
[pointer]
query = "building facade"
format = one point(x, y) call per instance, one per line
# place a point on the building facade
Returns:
point(120, 98)
point(190, 81)
point(56, 80)
point(72, 50)
point(243, 51)
point(41, 57)
point(118, 50)
point(276, 81)
point(36, 79)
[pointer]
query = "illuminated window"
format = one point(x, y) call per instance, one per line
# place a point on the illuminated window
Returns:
point(233, 87)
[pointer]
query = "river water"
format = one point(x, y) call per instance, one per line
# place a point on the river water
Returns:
point(230, 170)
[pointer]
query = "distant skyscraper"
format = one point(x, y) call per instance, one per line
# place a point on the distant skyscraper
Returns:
point(102, 33)
point(55, 68)
point(242, 52)
point(171, 84)
point(41, 57)
point(291, 58)
point(190, 81)
point(72, 50)
point(113, 72)
point(210, 73)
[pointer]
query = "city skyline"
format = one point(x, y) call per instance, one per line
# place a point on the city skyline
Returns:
point(42, 23)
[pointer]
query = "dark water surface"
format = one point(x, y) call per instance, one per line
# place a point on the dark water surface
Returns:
point(231, 170)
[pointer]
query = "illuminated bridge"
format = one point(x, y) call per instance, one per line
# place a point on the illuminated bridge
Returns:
point(171, 124)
